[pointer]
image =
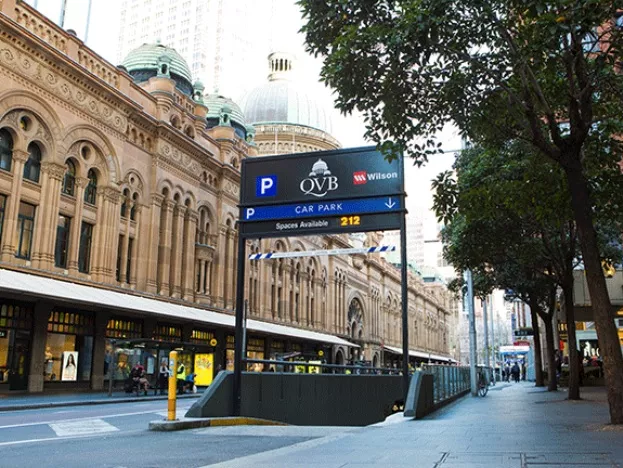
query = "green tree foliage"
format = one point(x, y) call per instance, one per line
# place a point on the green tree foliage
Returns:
point(543, 72)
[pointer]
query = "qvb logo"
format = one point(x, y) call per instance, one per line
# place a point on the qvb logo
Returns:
point(360, 177)
point(266, 186)
point(320, 181)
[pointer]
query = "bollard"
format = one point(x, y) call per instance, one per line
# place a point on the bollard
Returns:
point(172, 400)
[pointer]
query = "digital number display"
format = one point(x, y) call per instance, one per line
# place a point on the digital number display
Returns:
point(350, 221)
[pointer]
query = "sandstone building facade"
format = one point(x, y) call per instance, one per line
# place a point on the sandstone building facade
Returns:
point(118, 204)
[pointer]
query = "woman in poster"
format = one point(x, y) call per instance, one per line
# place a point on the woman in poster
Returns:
point(69, 369)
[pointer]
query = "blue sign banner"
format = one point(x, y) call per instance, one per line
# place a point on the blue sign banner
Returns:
point(329, 208)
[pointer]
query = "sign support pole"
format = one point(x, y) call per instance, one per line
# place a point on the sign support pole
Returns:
point(404, 290)
point(473, 357)
point(238, 337)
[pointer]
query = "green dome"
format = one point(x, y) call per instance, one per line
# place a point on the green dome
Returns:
point(145, 60)
point(216, 103)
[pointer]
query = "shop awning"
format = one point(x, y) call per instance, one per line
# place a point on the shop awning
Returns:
point(419, 354)
point(41, 287)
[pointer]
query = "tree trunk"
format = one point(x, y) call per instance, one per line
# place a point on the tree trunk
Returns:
point(538, 356)
point(552, 385)
point(575, 365)
point(600, 301)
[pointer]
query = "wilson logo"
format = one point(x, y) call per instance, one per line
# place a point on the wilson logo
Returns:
point(360, 177)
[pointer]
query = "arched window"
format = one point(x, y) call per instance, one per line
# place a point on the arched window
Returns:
point(124, 205)
point(69, 182)
point(133, 209)
point(91, 191)
point(6, 150)
point(32, 168)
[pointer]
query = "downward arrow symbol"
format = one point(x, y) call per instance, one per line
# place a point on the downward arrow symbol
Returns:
point(390, 204)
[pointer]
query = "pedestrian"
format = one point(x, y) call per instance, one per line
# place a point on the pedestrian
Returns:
point(507, 373)
point(515, 372)
point(163, 375)
point(523, 371)
point(181, 378)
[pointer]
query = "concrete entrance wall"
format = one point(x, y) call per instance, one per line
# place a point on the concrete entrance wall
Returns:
point(304, 399)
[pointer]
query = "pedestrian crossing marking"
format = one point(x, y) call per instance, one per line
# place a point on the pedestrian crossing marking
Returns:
point(88, 426)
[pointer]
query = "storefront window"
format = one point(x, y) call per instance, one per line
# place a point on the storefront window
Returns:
point(69, 346)
point(164, 332)
point(255, 350)
point(229, 353)
point(120, 328)
point(201, 337)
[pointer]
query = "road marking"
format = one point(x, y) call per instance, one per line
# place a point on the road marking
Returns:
point(91, 426)
point(86, 418)
point(31, 441)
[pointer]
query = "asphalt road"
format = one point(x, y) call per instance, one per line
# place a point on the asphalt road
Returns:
point(116, 435)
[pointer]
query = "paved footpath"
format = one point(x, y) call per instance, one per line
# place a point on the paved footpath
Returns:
point(514, 426)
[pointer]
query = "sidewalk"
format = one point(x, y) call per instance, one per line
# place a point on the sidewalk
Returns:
point(514, 426)
point(39, 401)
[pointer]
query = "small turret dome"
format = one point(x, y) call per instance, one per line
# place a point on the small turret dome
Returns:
point(220, 106)
point(151, 60)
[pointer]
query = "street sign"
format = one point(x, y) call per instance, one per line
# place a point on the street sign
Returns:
point(322, 225)
point(324, 192)
point(524, 332)
point(319, 176)
point(328, 208)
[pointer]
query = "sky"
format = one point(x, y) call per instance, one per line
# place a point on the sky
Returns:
point(103, 39)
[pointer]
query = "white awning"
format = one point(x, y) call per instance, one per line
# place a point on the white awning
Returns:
point(419, 354)
point(38, 286)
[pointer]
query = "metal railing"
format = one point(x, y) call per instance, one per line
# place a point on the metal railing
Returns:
point(448, 381)
point(290, 367)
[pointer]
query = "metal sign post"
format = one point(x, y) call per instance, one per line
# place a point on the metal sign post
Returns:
point(404, 290)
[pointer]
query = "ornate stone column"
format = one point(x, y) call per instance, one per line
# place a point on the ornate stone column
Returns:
point(10, 224)
point(164, 247)
point(177, 251)
point(133, 280)
point(230, 298)
point(74, 243)
point(111, 241)
point(188, 263)
point(153, 243)
point(45, 233)
point(98, 236)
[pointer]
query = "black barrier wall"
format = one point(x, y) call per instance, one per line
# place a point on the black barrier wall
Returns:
point(304, 399)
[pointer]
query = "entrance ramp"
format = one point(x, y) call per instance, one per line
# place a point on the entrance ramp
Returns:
point(304, 399)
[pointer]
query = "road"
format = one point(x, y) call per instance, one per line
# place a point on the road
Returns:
point(116, 436)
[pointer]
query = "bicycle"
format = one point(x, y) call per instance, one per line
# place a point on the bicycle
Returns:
point(483, 386)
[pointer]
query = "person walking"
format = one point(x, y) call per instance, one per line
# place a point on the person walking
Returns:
point(515, 372)
point(163, 375)
point(181, 378)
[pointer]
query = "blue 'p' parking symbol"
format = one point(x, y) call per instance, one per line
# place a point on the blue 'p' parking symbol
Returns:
point(266, 186)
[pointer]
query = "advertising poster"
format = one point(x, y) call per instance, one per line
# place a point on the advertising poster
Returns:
point(204, 372)
point(70, 365)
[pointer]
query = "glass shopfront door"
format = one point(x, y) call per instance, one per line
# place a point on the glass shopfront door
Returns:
point(19, 361)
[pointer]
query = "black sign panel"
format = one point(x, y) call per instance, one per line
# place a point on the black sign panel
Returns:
point(319, 176)
point(524, 332)
point(313, 226)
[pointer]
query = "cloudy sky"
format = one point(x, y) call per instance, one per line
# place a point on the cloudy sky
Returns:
point(103, 38)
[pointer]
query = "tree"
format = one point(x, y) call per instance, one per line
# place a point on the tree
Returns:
point(542, 71)
point(510, 220)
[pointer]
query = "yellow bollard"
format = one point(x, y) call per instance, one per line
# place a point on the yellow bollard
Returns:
point(172, 386)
